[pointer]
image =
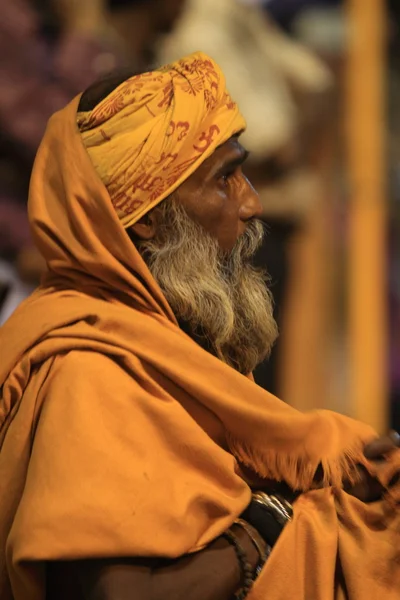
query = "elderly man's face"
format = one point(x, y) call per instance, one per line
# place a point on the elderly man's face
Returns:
point(216, 196)
point(219, 197)
point(198, 245)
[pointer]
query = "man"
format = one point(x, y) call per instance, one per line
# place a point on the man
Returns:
point(131, 431)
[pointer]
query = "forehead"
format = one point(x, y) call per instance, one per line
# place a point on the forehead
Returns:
point(230, 151)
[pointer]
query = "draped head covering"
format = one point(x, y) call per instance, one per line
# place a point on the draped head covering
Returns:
point(122, 437)
point(155, 129)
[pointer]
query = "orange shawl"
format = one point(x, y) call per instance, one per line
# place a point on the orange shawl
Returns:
point(119, 434)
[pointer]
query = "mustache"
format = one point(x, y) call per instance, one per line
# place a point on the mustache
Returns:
point(245, 247)
point(250, 241)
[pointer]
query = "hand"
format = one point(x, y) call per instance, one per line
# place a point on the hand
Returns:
point(368, 489)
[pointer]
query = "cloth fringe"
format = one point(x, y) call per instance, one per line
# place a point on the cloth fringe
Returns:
point(301, 473)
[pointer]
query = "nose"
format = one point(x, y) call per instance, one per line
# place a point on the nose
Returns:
point(250, 207)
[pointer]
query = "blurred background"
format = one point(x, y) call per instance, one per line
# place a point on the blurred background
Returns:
point(319, 84)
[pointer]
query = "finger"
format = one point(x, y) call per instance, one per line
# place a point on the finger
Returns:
point(395, 480)
point(379, 447)
point(395, 437)
point(368, 489)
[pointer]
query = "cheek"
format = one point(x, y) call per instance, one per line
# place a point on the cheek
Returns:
point(216, 210)
point(222, 205)
point(206, 206)
point(229, 226)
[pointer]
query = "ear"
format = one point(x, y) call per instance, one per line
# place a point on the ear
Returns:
point(145, 228)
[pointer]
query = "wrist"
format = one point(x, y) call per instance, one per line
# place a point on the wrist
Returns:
point(248, 546)
point(251, 553)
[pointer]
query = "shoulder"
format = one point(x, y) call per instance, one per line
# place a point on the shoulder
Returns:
point(79, 362)
point(84, 377)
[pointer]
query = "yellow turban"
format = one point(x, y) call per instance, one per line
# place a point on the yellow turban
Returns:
point(155, 129)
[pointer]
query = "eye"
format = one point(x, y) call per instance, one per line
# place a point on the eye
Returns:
point(225, 177)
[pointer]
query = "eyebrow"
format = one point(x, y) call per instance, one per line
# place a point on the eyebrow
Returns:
point(233, 163)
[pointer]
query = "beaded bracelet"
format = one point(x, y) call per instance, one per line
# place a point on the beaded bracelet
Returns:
point(255, 538)
point(245, 566)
